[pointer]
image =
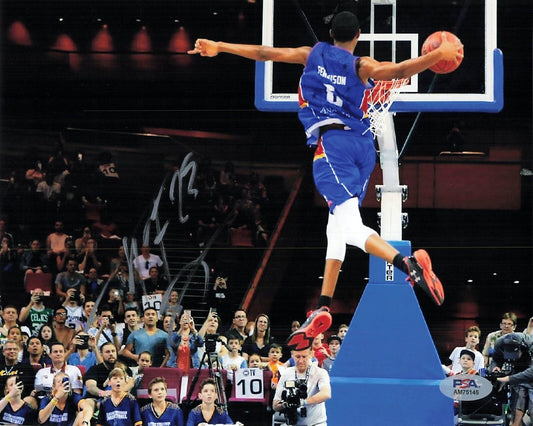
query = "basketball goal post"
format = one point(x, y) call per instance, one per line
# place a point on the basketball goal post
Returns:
point(388, 370)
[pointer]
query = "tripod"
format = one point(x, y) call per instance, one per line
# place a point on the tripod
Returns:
point(214, 374)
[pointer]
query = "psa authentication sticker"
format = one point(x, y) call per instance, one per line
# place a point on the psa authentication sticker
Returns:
point(465, 387)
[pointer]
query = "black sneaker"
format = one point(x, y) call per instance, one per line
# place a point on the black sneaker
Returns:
point(421, 274)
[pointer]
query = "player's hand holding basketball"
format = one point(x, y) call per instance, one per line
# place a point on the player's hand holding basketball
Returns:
point(452, 49)
point(204, 47)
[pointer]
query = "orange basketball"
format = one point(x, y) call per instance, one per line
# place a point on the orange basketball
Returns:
point(432, 42)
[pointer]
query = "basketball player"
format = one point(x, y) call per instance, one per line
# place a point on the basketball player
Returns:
point(332, 93)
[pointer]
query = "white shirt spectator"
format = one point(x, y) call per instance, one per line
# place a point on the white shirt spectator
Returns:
point(143, 265)
point(44, 379)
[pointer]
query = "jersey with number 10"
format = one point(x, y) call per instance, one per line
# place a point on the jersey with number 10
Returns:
point(331, 92)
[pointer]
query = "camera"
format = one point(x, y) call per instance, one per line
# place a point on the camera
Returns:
point(210, 342)
point(294, 392)
point(85, 344)
point(511, 355)
point(75, 295)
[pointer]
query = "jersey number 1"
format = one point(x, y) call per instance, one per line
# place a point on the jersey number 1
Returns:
point(331, 97)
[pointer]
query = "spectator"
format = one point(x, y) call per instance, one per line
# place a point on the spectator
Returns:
point(88, 258)
point(472, 336)
point(185, 343)
point(145, 261)
point(4, 233)
point(507, 325)
point(131, 302)
point(44, 379)
point(466, 361)
point(210, 328)
point(114, 302)
point(274, 363)
point(62, 333)
point(97, 375)
point(13, 408)
point(119, 404)
point(69, 279)
point(131, 323)
point(160, 411)
point(120, 277)
point(82, 350)
point(150, 338)
point(55, 242)
point(36, 354)
point(88, 307)
point(254, 361)
point(107, 331)
point(220, 298)
point(207, 411)
point(334, 345)
point(47, 336)
point(238, 327)
point(145, 360)
point(320, 349)
point(15, 334)
point(259, 342)
point(63, 406)
point(81, 242)
point(118, 259)
point(155, 284)
point(33, 261)
point(343, 329)
point(10, 316)
point(63, 258)
point(173, 306)
point(74, 306)
point(233, 360)
point(11, 367)
point(8, 261)
point(35, 313)
point(93, 284)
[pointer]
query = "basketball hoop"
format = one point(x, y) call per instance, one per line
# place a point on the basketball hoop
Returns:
point(381, 98)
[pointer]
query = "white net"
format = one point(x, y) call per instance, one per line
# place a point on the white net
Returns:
point(381, 98)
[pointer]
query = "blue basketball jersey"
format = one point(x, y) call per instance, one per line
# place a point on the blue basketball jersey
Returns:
point(25, 415)
point(172, 416)
point(125, 413)
point(331, 92)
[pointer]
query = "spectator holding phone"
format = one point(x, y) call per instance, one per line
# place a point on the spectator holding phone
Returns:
point(185, 343)
point(107, 331)
point(63, 406)
point(45, 376)
point(13, 408)
point(36, 314)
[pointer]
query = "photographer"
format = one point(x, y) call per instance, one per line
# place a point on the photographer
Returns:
point(302, 391)
point(74, 306)
point(513, 356)
point(107, 331)
point(82, 351)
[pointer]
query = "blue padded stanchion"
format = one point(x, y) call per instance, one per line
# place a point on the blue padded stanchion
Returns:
point(388, 370)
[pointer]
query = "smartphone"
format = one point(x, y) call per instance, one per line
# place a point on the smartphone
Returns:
point(67, 381)
point(212, 311)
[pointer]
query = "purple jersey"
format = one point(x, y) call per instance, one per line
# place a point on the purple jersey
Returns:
point(331, 92)
point(125, 413)
point(172, 416)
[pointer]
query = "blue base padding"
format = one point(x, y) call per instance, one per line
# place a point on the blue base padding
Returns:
point(380, 272)
point(388, 370)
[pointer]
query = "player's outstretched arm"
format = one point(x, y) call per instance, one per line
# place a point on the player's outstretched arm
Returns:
point(370, 68)
point(297, 55)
